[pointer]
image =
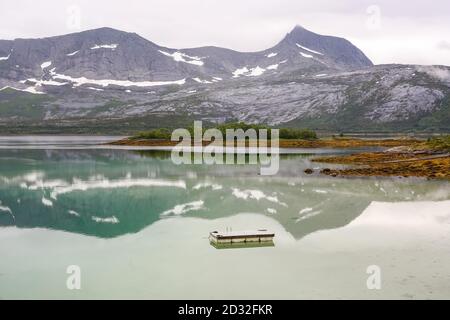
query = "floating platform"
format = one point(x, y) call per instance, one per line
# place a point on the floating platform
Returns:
point(241, 237)
point(242, 245)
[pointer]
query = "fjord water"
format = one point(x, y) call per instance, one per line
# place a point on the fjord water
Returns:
point(137, 225)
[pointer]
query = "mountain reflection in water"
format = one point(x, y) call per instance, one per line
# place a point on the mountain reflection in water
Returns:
point(109, 193)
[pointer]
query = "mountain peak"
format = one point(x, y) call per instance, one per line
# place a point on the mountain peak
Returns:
point(299, 32)
point(104, 31)
point(340, 50)
point(298, 28)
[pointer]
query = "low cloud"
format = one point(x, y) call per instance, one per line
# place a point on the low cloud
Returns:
point(439, 73)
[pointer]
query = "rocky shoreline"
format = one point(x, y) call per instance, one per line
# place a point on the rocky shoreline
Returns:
point(404, 158)
point(429, 164)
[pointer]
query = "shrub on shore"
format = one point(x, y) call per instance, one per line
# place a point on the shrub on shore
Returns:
point(285, 133)
point(302, 134)
point(157, 134)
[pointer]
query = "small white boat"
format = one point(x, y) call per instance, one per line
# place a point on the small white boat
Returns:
point(260, 235)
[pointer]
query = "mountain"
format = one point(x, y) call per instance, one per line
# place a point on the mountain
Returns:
point(106, 80)
point(111, 54)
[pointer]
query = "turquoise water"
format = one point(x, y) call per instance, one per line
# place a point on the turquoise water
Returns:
point(137, 226)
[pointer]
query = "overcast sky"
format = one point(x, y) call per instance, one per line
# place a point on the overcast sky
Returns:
point(388, 31)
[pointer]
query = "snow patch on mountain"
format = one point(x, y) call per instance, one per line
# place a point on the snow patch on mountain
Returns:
point(121, 83)
point(46, 64)
point(252, 72)
point(29, 90)
point(310, 50)
point(306, 55)
point(257, 71)
point(95, 89)
point(40, 83)
point(271, 55)
point(112, 46)
point(239, 72)
point(73, 53)
point(5, 58)
point(201, 81)
point(181, 57)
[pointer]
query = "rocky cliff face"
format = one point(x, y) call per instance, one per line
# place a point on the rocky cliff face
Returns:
point(127, 83)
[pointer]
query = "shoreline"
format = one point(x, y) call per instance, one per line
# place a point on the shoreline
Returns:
point(430, 165)
point(405, 157)
point(340, 143)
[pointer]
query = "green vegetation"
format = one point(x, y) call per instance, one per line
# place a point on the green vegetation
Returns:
point(109, 106)
point(160, 134)
point(439, 143)
point(22, 105)
point(302, 134)
point(285, 133)
point(241, 125)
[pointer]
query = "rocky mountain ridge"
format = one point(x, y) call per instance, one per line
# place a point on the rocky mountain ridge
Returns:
point(126, 83)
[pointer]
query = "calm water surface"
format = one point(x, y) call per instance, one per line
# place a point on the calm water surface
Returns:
point(137, 225)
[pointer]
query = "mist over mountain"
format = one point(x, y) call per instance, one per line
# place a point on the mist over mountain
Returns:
point(106, 80)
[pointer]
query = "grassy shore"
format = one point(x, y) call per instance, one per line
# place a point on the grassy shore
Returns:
point(288, 143)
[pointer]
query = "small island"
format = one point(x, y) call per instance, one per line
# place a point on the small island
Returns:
point(403, 157)
point(288, 138)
